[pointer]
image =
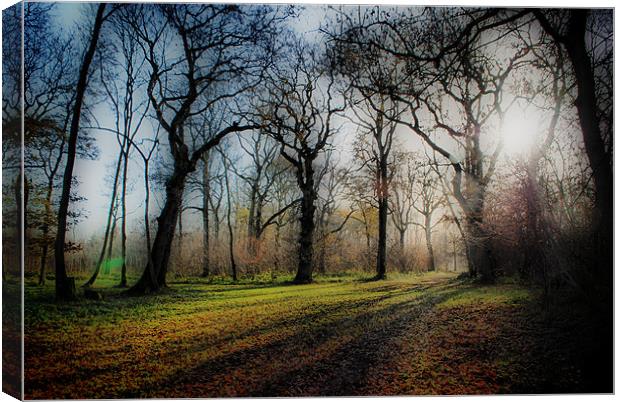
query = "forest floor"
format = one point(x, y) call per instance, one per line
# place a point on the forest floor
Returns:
point(429, 334)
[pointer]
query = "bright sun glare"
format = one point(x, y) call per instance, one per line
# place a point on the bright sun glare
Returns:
point(520, 130)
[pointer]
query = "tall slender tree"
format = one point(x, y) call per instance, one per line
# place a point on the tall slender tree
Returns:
point(370, 115)
point(65, 287)
point(590, 57)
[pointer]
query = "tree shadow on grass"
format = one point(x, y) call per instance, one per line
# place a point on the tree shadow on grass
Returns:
point(331, 358)
point(312, 331)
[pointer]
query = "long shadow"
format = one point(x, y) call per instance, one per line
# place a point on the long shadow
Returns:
point(360, 355)
point(336, 309)
point(326, 311)
point(348, 367)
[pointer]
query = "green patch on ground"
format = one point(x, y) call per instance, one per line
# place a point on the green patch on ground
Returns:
point(488, 295)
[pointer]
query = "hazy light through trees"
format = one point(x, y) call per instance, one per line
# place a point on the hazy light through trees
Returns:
point(477, 106)
point(277, 199)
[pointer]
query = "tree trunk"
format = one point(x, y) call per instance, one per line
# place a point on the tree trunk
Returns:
point(109, 225)
point(179, 250)
point(108, 259)
point(19, 223)
point(429, 242)
point(22, 219)
point(382, 195)
point(44, 250)
point(454, 251)
point(25, 218)
point(123, 282)
point(147, 230)
point(599, 158)
point(382, 246)
point(528, 241)
point(306, 221)
point(477, 247)
point(480, 260)
point(167, 222)
point(258, 220)
point(46, 230)
point(231, 240)
point(65, 288)
point(252, 229)
point(206, 189)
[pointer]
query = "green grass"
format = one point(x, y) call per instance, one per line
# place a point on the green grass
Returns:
point(488, 295)
point(342, 335)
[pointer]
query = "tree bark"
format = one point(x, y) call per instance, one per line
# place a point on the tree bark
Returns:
point(147, 230)
point(123, 282)
point(600, 159)
point(206, 190)
point(111, 241)
point(44, 250)
point(25, 218)
point(401, 240)
point(46, 230)
point(231, 239)
point(167, 221)
point(429, 241)
point(306, 221)
point(252, 229)
point(65, 288)
point(179, 249)
point(383, 217)
point(480, 259)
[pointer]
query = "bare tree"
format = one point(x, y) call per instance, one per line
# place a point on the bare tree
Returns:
point(330, 181)
point(402, 199)
point(587, 38)
point(49, 72)
point(224, 50)
point(260, 177)
point(65, 287)
point(300, 112)
point(229, 206)
point(129, 113)
point(375, 116)
point(427, 201)
point(442, 61)
point(49, 75)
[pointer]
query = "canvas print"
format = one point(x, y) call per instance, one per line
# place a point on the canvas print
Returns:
point(214, 200)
